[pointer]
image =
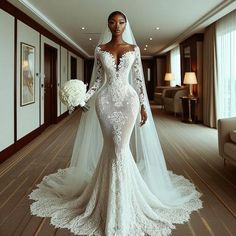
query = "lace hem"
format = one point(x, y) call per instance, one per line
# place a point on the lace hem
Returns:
point(91, 219)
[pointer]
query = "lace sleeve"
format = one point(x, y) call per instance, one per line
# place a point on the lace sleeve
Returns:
point(138, 76)
point(98, 81)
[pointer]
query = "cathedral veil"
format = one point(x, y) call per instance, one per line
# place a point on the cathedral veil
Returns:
point(113, 187)
point(144, 144)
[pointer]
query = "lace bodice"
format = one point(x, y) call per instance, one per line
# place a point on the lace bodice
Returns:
point(118, 74)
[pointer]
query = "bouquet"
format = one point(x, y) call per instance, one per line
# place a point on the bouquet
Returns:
point(73, 93)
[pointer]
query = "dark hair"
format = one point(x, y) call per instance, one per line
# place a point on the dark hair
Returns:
point(116, 13)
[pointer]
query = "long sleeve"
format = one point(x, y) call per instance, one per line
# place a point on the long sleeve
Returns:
point(98, 81)
point(138, 76)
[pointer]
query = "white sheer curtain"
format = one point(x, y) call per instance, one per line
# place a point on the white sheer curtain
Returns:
point(226, 65)
point(175, 66)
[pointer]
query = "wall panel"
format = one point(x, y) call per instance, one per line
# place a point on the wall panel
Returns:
point(6, 80)
point(27, 116)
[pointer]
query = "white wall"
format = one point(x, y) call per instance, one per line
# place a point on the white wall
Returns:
point(6, 80)
point(64, 69)
point(45, 40)
point(31, 116)
point(27, 116)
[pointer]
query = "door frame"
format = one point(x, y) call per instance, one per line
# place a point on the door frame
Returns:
point(53, 81)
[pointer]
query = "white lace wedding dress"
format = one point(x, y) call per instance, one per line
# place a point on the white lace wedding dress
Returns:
point(116, 201)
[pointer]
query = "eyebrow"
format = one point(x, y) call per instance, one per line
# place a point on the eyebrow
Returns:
point(121, 19)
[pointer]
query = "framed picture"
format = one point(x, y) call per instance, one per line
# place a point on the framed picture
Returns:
point(27, 74)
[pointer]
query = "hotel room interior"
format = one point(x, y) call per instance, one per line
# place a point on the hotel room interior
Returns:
point(188, 50)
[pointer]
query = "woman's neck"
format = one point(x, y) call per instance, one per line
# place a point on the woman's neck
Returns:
point(117, 40)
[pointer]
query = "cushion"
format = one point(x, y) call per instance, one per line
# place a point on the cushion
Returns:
point(233, 136)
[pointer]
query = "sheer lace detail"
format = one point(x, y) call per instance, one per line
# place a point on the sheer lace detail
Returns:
point(117, 119)
point(116, 201)
point(119, 65)
point(98, 81)
point(138, 75)
point(126, 216)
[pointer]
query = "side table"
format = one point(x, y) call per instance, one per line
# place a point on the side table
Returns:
point(189, 105)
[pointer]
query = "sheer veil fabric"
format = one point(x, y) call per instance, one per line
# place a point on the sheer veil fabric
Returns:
point(144, 143)
point(174, 192)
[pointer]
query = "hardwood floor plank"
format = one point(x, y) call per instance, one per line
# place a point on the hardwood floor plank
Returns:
point(190, 150)
point(213, 207)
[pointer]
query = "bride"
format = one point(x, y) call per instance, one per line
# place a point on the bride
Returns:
point(117, 182)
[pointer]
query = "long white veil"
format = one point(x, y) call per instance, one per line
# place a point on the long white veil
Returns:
point(144, 144)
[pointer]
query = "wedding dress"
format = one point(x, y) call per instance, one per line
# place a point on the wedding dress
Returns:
point(118, 196)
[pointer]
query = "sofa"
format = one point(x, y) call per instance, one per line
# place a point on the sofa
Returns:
point(227, 139)
point(158, 94)
point(171, 99)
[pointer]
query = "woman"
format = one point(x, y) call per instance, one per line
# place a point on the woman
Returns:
point(117, 182)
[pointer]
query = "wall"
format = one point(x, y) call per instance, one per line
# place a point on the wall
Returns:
point(20, 123)
point(6, 80)
point(28, 117)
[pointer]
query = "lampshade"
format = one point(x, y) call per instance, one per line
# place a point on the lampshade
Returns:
point(169, 77)
point(190, 78)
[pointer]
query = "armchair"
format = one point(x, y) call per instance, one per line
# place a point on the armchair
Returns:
point(171, 99)
point(227, 147)
point(158, 94)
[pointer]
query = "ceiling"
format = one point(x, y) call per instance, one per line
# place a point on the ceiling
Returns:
point(177, 20)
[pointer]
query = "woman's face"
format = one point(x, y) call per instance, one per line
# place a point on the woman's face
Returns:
point(117, 24)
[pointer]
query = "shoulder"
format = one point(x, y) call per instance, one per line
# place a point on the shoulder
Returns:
point(98, 49)
point(101, 46)
point(130, 46)
point(133, 47)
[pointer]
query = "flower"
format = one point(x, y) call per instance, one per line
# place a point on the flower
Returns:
point(73, 93)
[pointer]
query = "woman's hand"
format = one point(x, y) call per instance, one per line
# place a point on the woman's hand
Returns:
point(143, 116)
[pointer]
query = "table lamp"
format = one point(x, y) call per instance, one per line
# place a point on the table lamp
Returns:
point(190, 78)
point(169, 77)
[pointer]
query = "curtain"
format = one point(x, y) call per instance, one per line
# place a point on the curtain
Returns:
point(175, 65)
point(210, 78)
point(226, 64)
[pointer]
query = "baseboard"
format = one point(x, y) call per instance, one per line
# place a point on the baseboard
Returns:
point(62, 116)
point(9, 151)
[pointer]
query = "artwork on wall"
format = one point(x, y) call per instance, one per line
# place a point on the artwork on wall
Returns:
point(27, 74)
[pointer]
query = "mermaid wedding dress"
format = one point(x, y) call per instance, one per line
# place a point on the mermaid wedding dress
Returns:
point(117, 199)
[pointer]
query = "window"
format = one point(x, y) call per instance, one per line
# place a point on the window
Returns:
point(226, 66)
point(175, 66)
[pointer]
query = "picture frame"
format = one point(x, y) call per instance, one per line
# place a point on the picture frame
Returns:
point(27, 74)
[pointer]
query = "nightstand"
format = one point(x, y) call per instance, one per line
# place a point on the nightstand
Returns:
point(189, 105)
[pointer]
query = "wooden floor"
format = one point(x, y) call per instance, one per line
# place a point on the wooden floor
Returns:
point(190, 150)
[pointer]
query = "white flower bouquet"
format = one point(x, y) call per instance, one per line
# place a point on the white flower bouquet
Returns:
point(73, 93)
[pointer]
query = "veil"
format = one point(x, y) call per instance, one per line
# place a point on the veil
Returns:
point(144, 145)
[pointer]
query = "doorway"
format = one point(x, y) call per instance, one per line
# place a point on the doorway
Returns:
point(73, 68)
point(50, 85)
